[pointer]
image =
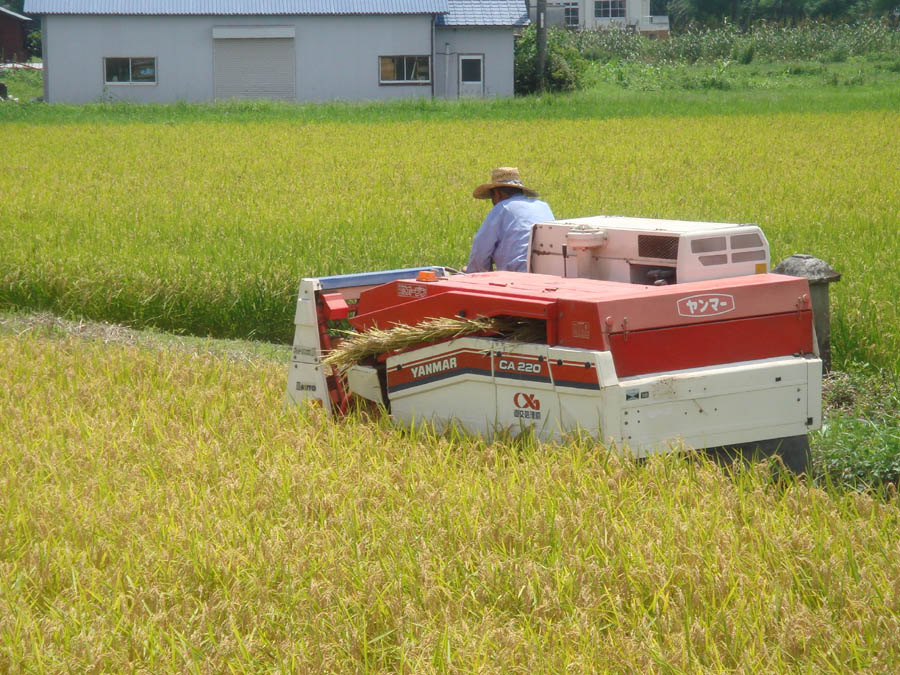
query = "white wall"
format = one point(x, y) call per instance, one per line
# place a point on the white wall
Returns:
point(337, 56)
point(636, 12)
point(556, 13)
point(495, 42)
point(633, 13)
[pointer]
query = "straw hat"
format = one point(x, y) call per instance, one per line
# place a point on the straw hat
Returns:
point(505, 176)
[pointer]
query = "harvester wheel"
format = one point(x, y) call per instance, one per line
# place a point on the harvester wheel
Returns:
point(793, 451)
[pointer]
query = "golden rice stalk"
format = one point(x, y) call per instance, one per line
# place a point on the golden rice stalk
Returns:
point(357, 347)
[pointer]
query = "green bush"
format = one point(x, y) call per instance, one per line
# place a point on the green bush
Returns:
point(860, 452)
point(860, 442)
point(33, 43)
point(565, 65)
point(743, 53)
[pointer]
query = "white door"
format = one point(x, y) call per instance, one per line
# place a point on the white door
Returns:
point(471, 74)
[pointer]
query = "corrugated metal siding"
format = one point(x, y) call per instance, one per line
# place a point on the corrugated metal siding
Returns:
point(235, 7)
point(255, 68)
point(484, 13)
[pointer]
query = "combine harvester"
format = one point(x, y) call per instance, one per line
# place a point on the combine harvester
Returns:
point(651, 333)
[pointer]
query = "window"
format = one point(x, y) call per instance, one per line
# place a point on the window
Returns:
point(408, 69)
point(570, 10)
point(708, 245)
point(751, 240)
point(129, 70)
point(470, 69)
point(605, 9)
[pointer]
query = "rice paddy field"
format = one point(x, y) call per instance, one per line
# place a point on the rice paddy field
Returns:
point(206, 227)
point(161, 510)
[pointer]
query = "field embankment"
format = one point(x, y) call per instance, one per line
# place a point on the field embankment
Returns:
point(206, 227)
point(162, 510)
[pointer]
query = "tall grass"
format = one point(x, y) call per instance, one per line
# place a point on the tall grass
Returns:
point(22, 84)
point(878, 90)
point(206, 228)
point(812, 40)
point(162, 511)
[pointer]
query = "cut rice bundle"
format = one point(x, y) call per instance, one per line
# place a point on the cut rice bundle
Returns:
point(357, 347)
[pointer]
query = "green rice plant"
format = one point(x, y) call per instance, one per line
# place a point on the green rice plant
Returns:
point(164, 512)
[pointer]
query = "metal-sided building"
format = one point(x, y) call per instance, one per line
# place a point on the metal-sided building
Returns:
point(12, 36)
point(293, 50)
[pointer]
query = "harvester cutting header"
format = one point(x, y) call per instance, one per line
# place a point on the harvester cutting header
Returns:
point(639, 332)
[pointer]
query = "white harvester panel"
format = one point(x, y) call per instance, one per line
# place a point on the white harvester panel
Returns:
point(721, 405)
point(306, 374)
point(451, 382)
point(647, 251)
point(488, 386)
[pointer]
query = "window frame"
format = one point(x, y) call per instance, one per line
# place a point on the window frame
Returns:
point(405, 83)
point(131, 82)
point(599, 5)
point(568, 7)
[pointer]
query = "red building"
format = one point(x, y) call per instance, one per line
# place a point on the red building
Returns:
point(12, 36)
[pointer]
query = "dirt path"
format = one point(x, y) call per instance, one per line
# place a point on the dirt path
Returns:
point(47, 325)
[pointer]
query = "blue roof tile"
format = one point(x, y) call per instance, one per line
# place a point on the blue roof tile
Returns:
point(484, 13)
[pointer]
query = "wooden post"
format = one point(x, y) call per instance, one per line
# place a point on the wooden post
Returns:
point(541, 43)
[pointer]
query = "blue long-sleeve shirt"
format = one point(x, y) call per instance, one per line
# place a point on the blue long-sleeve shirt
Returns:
point(503, 237)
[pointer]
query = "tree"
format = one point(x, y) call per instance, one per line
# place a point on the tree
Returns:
point(565, 66)
point(18, 6)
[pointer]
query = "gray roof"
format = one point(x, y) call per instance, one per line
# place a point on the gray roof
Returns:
point(236, 7)
point(12, 13)
point(484, 13)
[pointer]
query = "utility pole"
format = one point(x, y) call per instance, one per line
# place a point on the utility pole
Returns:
point(541, 43)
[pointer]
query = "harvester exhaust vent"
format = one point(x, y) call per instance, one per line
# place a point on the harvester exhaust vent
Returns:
point(650, 246)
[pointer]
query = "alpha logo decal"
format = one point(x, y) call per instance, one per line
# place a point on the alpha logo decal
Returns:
point(706, 304)
point(411, 291)
point(523, 400)
point(528, 406)
point(433, 367)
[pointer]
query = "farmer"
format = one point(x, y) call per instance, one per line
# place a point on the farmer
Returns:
point(503, 237)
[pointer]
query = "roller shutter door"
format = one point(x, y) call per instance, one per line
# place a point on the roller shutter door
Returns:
point(255, 68)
